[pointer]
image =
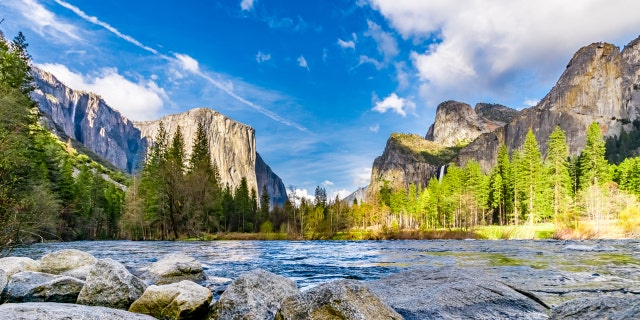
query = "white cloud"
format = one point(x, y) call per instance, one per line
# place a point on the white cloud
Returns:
point(302, 62)
point(531, 102)
point(246, 5)
point(327, 183)
point(375, 128)
point(346, 44)
point(262, 57)
point(137, 101)
point(365, 59)
point(187, 63)
point(340, 193)
point(362, 176)
point(45, 22)
point(299, 194)
point(483, 47)
point(395, 104)
point(387, 44)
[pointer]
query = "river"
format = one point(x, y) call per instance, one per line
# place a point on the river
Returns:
point(557, 270)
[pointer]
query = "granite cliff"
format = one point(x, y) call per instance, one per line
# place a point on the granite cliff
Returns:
point(86, 118)
point(600, 83)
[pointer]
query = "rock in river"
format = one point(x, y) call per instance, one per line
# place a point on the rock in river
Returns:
point(13, 265)
point(174, 267)
point(605, 307)
point(256, 294)
point(110, 284)
point(451, 293)
point(29, 286)
point(65, 260)
point(182, 300)
point(343, 299)
point(65, 311)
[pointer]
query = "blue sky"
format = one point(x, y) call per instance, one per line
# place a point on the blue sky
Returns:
point(324, 83)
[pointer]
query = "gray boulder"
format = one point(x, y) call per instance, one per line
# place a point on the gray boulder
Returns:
point(451, 293)
point(344, 299)
point(172, 268)
point(3, 280)
point(110, 284)
point(65, 311)
point(81, 272)
point(13, 265)
point(182, 300)
point(604, 307)
point(256, 294)
point(65, 260)
point(29, 286)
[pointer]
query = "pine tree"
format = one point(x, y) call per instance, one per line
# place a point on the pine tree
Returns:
point(558, 172)
point(532, 175)
point(593, 165)
point(507, 197)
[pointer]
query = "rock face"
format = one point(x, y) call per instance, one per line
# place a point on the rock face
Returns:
point(599, 308)
point(456, 123)
point(403, 162)
point(29, 286)
point(13, 265)
point(450, 293)
point(254, 295)
point(174, 267)
point(358, 195)
point(600, 84)
point(109, 284)
point(65, 260)
point(65, 311)
point(495, 114)
point(182, 300)
point(266, 178)
point(85, 117)
point(344, 299)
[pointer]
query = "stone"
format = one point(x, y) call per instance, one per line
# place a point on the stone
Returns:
point(65, 260)
point(3, 281)
point(110, 284)
point(13, 265)
point(65, 311)
point(182, 300)
point(174, 267)
point(81, 272)
point(30, 286)
point(343, 299)
point(603, 307)
point(256, 294)
point(452, 293)
point(456, 123)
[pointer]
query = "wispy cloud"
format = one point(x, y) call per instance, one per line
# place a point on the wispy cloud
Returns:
point(375, 128)
point(107, 26)
point(262, 57)
point(246, 5)
point(302, 62)
point(346, 44)
point(395, 104)
point(188, 64)
point(45, 21)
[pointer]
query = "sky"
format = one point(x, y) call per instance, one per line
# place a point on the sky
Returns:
point(324, 83)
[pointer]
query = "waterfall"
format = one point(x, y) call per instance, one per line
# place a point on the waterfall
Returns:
point(441, 173)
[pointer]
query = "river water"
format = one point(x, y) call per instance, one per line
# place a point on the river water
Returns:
point(552, 268)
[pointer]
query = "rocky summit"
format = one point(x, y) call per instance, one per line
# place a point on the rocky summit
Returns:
point(85, 118)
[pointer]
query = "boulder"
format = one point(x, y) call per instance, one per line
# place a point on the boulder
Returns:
point(110, 284)
point(65, 260)
point(3, 281)
point(256, 294)
point(13, 265)
point(29, 286)
point(604, 307)
point(182, 300)
point(65, 311)
point(172, 268)
point(81, 272)
point(343, 299)
point(452, 293)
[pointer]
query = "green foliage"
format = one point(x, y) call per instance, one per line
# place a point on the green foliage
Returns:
point(593, 166)
point(557, 171)
point(619, 148)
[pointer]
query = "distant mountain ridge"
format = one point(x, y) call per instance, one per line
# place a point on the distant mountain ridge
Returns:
point(85, 117)
point(601, 83)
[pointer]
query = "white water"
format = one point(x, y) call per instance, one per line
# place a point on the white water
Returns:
point(441, 174)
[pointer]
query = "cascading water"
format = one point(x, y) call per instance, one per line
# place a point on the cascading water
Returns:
point(441, 172)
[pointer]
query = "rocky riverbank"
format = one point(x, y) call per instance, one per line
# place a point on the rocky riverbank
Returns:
point(74, 284)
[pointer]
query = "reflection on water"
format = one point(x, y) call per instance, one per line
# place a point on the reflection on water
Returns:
point(310, 263)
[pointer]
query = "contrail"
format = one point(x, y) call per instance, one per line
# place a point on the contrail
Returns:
point(214, 82)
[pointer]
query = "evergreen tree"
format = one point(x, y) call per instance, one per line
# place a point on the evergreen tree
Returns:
point(533, 178)
point(593, 166)
point(558, 171)
point(507, 197)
